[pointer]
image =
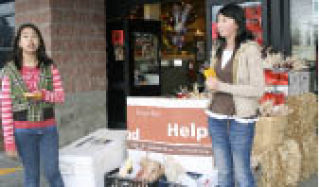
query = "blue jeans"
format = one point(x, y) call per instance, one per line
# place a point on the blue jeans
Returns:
point(231, 145)
point(33, 144)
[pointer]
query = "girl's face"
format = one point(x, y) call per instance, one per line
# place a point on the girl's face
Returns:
point(227, 26)
point(29, 40)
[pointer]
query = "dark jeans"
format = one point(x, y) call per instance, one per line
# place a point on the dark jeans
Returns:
point(33, 144)
point(231, 145)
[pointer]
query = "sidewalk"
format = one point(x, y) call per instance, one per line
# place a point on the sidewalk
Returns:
point(15, 179)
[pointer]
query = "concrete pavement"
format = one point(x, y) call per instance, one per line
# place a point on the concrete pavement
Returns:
point(15, 179)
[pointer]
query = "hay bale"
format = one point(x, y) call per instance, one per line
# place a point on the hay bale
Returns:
point(303, 125)
point(271, 169)
point(269, 133)
point(285, 162)
point(290, 158)
point(303, 119)
point(309, 149)
point(280, 166)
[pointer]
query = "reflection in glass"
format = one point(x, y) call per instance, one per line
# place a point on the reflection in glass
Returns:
point(146, 67)
point(6, 29)
point(253, 11)
point(304, 28)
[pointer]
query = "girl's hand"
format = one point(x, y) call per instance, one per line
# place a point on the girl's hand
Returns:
point(212, 83)
point(36, 96)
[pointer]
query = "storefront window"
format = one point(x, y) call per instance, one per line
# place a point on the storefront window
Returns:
point(304, 28)
point(182, 21)
point(6, 29)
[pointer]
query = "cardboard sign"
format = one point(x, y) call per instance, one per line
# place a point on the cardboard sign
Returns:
point(168, 125)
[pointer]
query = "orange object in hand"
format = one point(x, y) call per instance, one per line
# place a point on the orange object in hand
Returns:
point(209, 73)
point(34, 96)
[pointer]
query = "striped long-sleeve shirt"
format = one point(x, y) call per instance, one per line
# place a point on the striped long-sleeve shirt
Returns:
point(31, 78)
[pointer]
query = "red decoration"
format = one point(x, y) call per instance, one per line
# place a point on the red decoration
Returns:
point(276, 98)
point(276, 78)
point(117, 37)
point(253, 19)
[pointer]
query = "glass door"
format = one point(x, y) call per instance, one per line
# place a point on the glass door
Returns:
point(256, 20)
point(304, 35)
point(146, 64)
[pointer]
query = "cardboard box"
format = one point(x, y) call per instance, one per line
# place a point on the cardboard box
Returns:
point(299, 82)
point(294, 83)
point(84, 162)
point(305, 82)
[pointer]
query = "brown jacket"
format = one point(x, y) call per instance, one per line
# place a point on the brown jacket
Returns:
point(248, 79)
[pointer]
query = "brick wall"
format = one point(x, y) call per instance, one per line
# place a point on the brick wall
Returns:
point(79, 43)
point(35, 11)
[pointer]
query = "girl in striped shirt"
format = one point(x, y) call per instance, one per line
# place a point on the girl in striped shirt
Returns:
point(31, 85)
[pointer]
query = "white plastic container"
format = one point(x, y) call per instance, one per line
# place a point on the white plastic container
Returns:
point(84, 162)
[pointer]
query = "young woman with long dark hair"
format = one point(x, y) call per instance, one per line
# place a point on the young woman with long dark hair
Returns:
point(236, 90)
point(31, 85)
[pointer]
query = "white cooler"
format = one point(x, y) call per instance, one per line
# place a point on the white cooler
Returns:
point(84, 162)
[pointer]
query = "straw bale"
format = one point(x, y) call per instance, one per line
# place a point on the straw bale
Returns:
point(269, 133)
point(309, 148)
point(304, 116)
point(271, 169)
point(290, 158)
point(280, 166)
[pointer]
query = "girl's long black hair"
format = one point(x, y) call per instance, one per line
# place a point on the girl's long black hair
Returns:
point(236, 13)
point(41, 51)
